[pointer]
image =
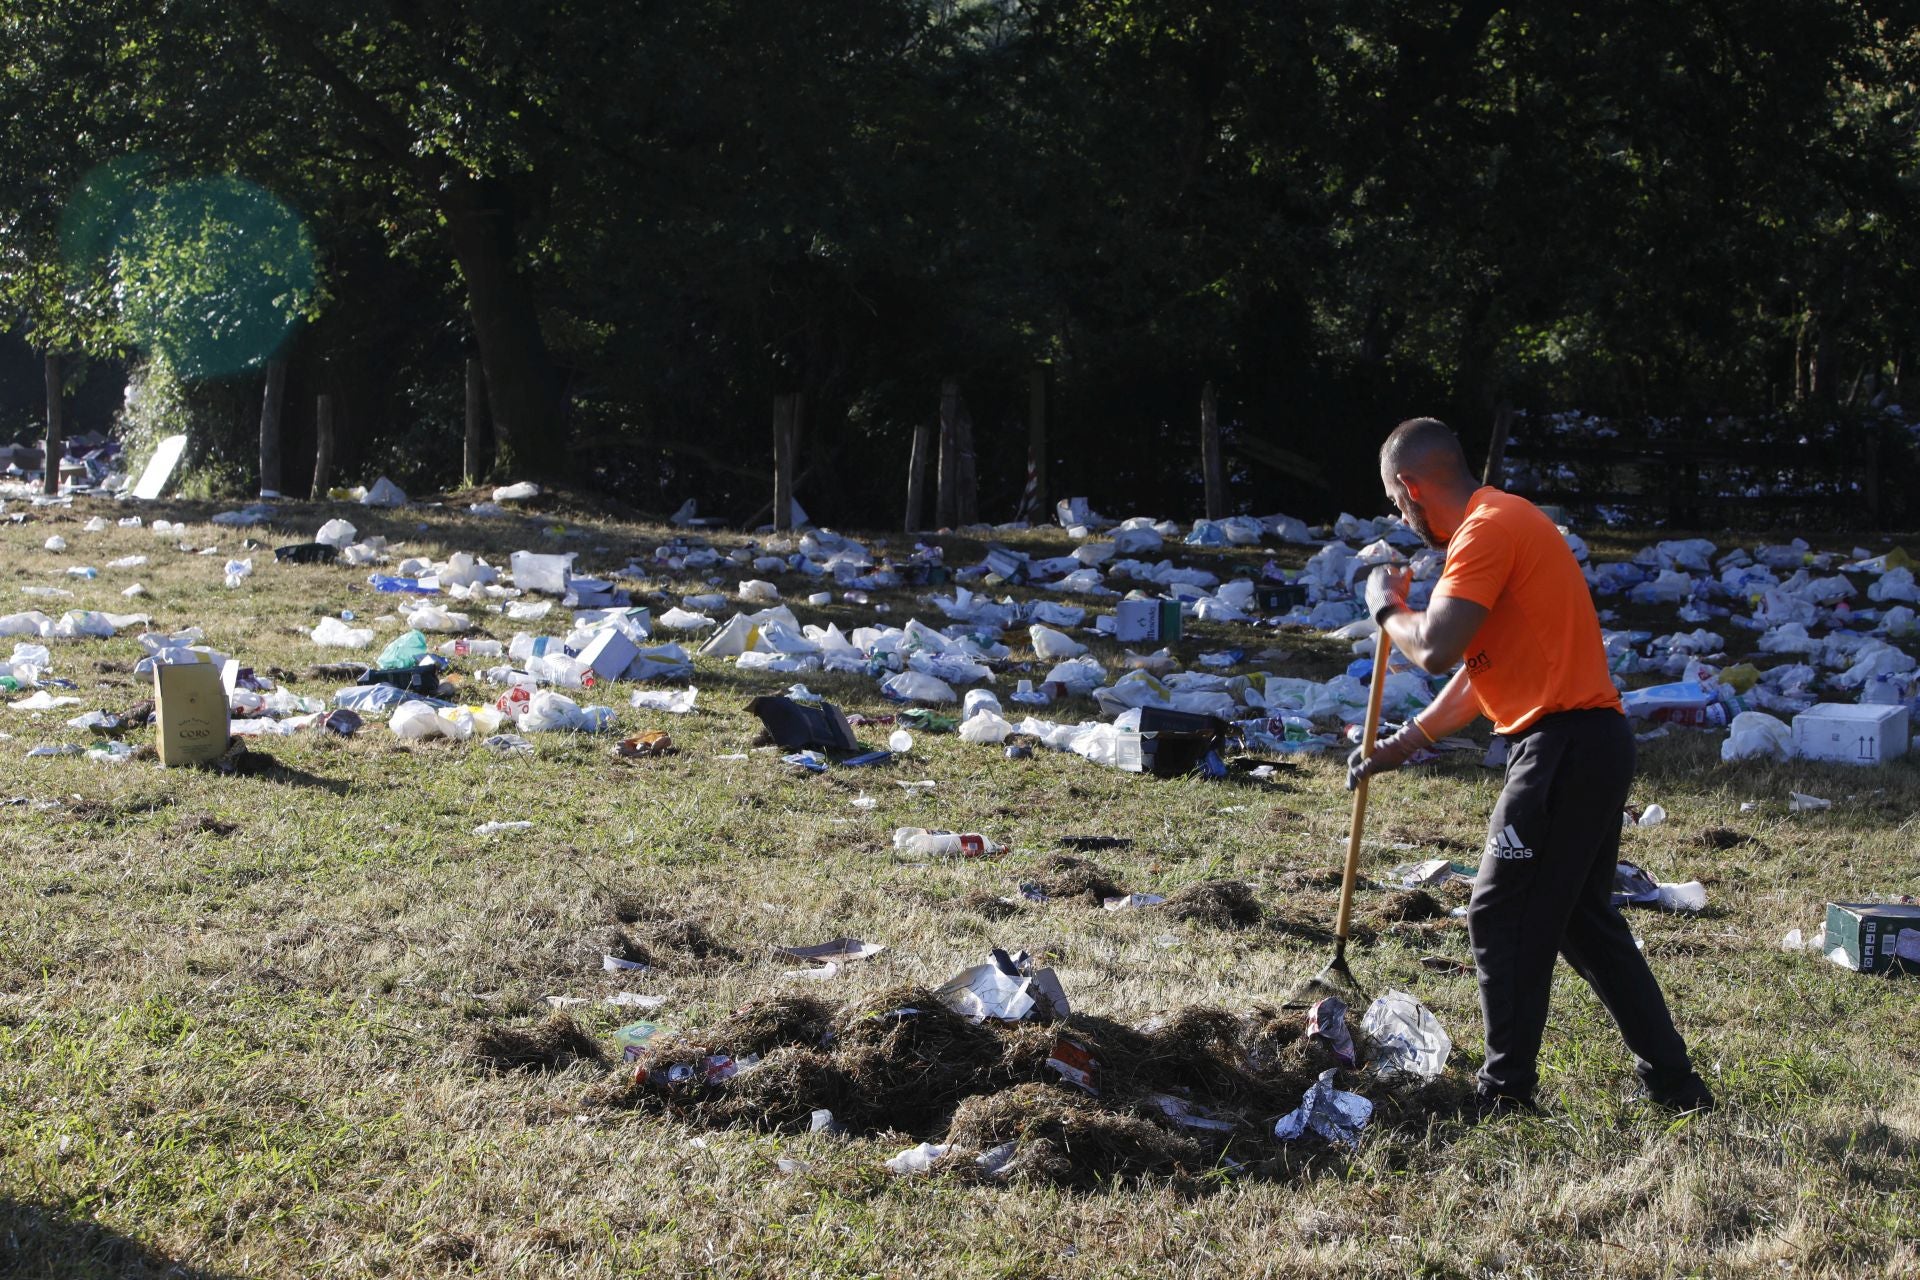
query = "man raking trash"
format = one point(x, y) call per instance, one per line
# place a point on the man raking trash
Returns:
point(1513, 606)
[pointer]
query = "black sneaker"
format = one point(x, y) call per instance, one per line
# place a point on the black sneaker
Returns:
point(1690, 1097)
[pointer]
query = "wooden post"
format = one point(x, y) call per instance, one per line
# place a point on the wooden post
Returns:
point(946, 498)
point(50, 481)
point(786, 426)
point(1212, 468)
point(1497, 447)
point(917, 474)
point(1036, 441)
point(966, 506)
point(471, 466)
point(322, 446)
point(270, 403)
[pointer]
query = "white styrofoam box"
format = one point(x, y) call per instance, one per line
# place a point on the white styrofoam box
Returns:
point(1850, 734)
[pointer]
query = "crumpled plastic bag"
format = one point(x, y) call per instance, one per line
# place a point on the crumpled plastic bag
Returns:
point(1053, 646)
point(1333, 1114)
point(336, 533)
point(414, 721)
point(432, 618)
point(1407, 1038)
point(918, 686)
point(332, 633)
point(674, 702)
point(550, 712)
point(678, 619)
point(1079, 675)
point(384, 493)
point(1757, 735)
point(759, 591)
point(985, 727)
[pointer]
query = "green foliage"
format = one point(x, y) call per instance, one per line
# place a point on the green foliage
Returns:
point(654, 219)
point(212, 275)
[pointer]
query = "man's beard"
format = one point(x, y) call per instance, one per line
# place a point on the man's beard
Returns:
point(1417, 521)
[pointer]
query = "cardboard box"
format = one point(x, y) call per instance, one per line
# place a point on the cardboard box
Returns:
point(1875, 936)
point(1139, 620)
point(609, 653)
point(1849, 734)
point(1175, 743)
point(190, 712)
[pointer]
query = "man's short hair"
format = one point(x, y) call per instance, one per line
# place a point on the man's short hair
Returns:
point(1426, 446)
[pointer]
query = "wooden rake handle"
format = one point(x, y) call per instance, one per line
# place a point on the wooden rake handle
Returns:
point(1382, 649)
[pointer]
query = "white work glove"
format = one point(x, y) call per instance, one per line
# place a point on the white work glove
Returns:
point(1387, 591)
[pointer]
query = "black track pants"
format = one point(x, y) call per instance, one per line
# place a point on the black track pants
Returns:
point(1545, 887)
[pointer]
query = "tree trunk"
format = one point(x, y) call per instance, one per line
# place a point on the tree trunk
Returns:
point(521, 388)
point(271, 402)
point(917, 474)
point(966, 505)
point(1212, 468)
point(948, 495)
point(322, 446)
point(786, 428)
point(56, 434)
point(1497, 447)
point(1034, 502)
point(471, 465)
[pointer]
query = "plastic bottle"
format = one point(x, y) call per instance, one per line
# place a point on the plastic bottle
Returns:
point(465, 648)
point(524, 646)
point(919, 840)
point(1708, 717)
point(559, 669)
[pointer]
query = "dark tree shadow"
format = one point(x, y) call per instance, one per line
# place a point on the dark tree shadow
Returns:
point(46, 1242)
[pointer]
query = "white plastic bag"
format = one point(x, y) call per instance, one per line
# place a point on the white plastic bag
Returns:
point(757, 591)
point(332, 633)
point(548, 574)
point(414, 721)
point(917, 686)
point(336, 533)
point(384, 493)
point(1053, 646)
point(1755, 734)
point(433, 618)
point(985, 727)
point(1407, 1037)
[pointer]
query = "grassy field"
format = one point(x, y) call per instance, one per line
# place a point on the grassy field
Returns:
point(236, 1012)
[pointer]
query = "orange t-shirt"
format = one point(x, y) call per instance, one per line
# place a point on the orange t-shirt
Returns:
point(1539, 651)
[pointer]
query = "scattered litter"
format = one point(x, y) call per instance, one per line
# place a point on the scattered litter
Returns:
point(1406, 1036)
point(633, 1000)
point(1009, 988)
point(1799, 803)
point(495, 828)
point(918, 1159)
point(1132, 901)
point(1873, 937)
point(926, 843)
point(654, 742)
point(678, 703)
point(1327, 1021)
point(1331, 1113)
